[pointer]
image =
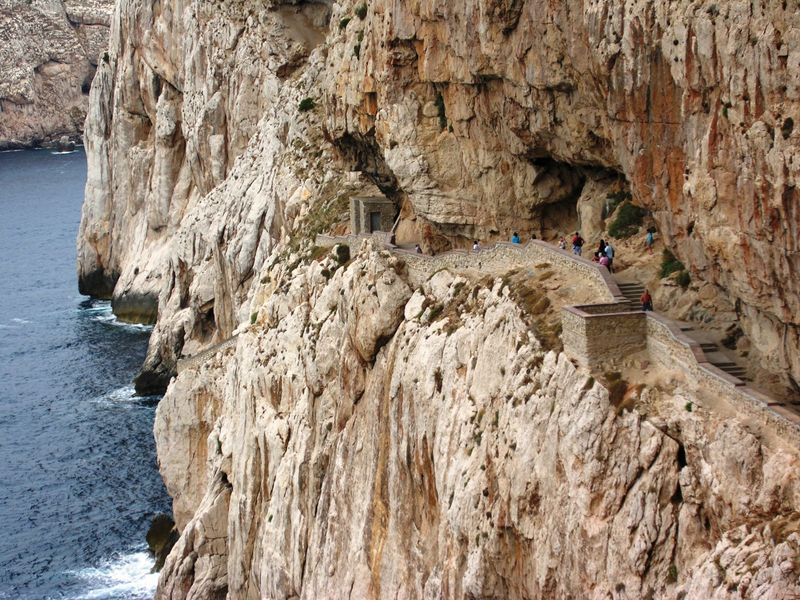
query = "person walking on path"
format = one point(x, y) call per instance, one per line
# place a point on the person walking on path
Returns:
point(417, 249)
point(515, 238)
point(562, 243)
point(577, 244)
point(476, 247)
point(609, 251)
point(647, 301)
point(603, 260)
point(649, 240)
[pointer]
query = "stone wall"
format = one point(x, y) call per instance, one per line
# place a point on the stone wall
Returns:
point(595, 339)
point(499, 257)
point(667, 346)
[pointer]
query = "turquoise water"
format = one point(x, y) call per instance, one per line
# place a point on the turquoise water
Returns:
point(78, 476)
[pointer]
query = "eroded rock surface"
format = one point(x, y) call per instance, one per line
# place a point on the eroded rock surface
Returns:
point(478, 119)
point(365, 438)
point(457, 459)
point(49, 50)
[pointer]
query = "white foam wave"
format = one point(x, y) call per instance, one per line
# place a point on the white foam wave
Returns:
point(20, 321)
point(126, 395)
point(101, 312)
point(58, 152)
point(125, 577)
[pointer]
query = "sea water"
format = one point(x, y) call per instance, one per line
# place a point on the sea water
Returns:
point(78, 477)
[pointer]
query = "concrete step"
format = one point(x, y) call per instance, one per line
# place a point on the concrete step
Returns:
point(709, 347)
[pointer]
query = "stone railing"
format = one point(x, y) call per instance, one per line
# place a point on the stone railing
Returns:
point(669, 347)
point(600, 334)
point(501, 256)
point(194, 361)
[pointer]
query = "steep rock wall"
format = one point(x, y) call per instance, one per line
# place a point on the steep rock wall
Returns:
point(484, 112)
point(49, 50)
point(360, 443)
point(199, 162)
point(476, 117)
point(354, 444)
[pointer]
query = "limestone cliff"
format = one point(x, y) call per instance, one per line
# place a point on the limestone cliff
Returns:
point(361, 442)
point(356, 444)
point(49, 50)
point(476, 118)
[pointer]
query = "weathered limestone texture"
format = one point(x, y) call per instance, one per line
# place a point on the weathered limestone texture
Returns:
point(373, 434)
point(490, 114)
point(479, 118)
point(49, 50)
point(361, 443)
point(199, 162)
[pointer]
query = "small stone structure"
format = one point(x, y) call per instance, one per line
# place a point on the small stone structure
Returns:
point(369, 214)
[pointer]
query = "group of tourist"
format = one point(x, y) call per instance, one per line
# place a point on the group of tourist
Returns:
point(604, 255)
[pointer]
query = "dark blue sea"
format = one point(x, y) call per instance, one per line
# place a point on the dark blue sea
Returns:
point(78, 476)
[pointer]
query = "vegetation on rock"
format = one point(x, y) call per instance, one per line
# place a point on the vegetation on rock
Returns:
point(627, 222)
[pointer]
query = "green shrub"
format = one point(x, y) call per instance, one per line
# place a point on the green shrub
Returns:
point(360, 36)
point(357, 50)
point(670, 264)
point(253, 317)
point(342, 253)
point(343, 23)
point(672, 575)
point(683, 279)
point(307, 104)
point(629, 218)
point(688, 406)
point(614, 199)
point(361, 11)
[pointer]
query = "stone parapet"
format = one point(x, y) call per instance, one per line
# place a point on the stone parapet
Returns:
point(667, 346)
point(500, 256)
point(595, 338)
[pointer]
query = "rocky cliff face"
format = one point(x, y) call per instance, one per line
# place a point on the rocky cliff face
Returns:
point(476, 118)
point(341, 448)
point(361, 443)
point(49, 50)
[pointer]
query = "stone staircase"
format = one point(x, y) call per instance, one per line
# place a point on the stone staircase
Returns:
point(718, 359)
point(716, 356)
point(633, 292)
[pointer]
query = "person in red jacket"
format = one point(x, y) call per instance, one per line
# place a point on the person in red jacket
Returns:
point(577, 244)
point(647, 301)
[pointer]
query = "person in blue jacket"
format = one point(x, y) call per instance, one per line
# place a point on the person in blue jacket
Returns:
point(610, 254)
